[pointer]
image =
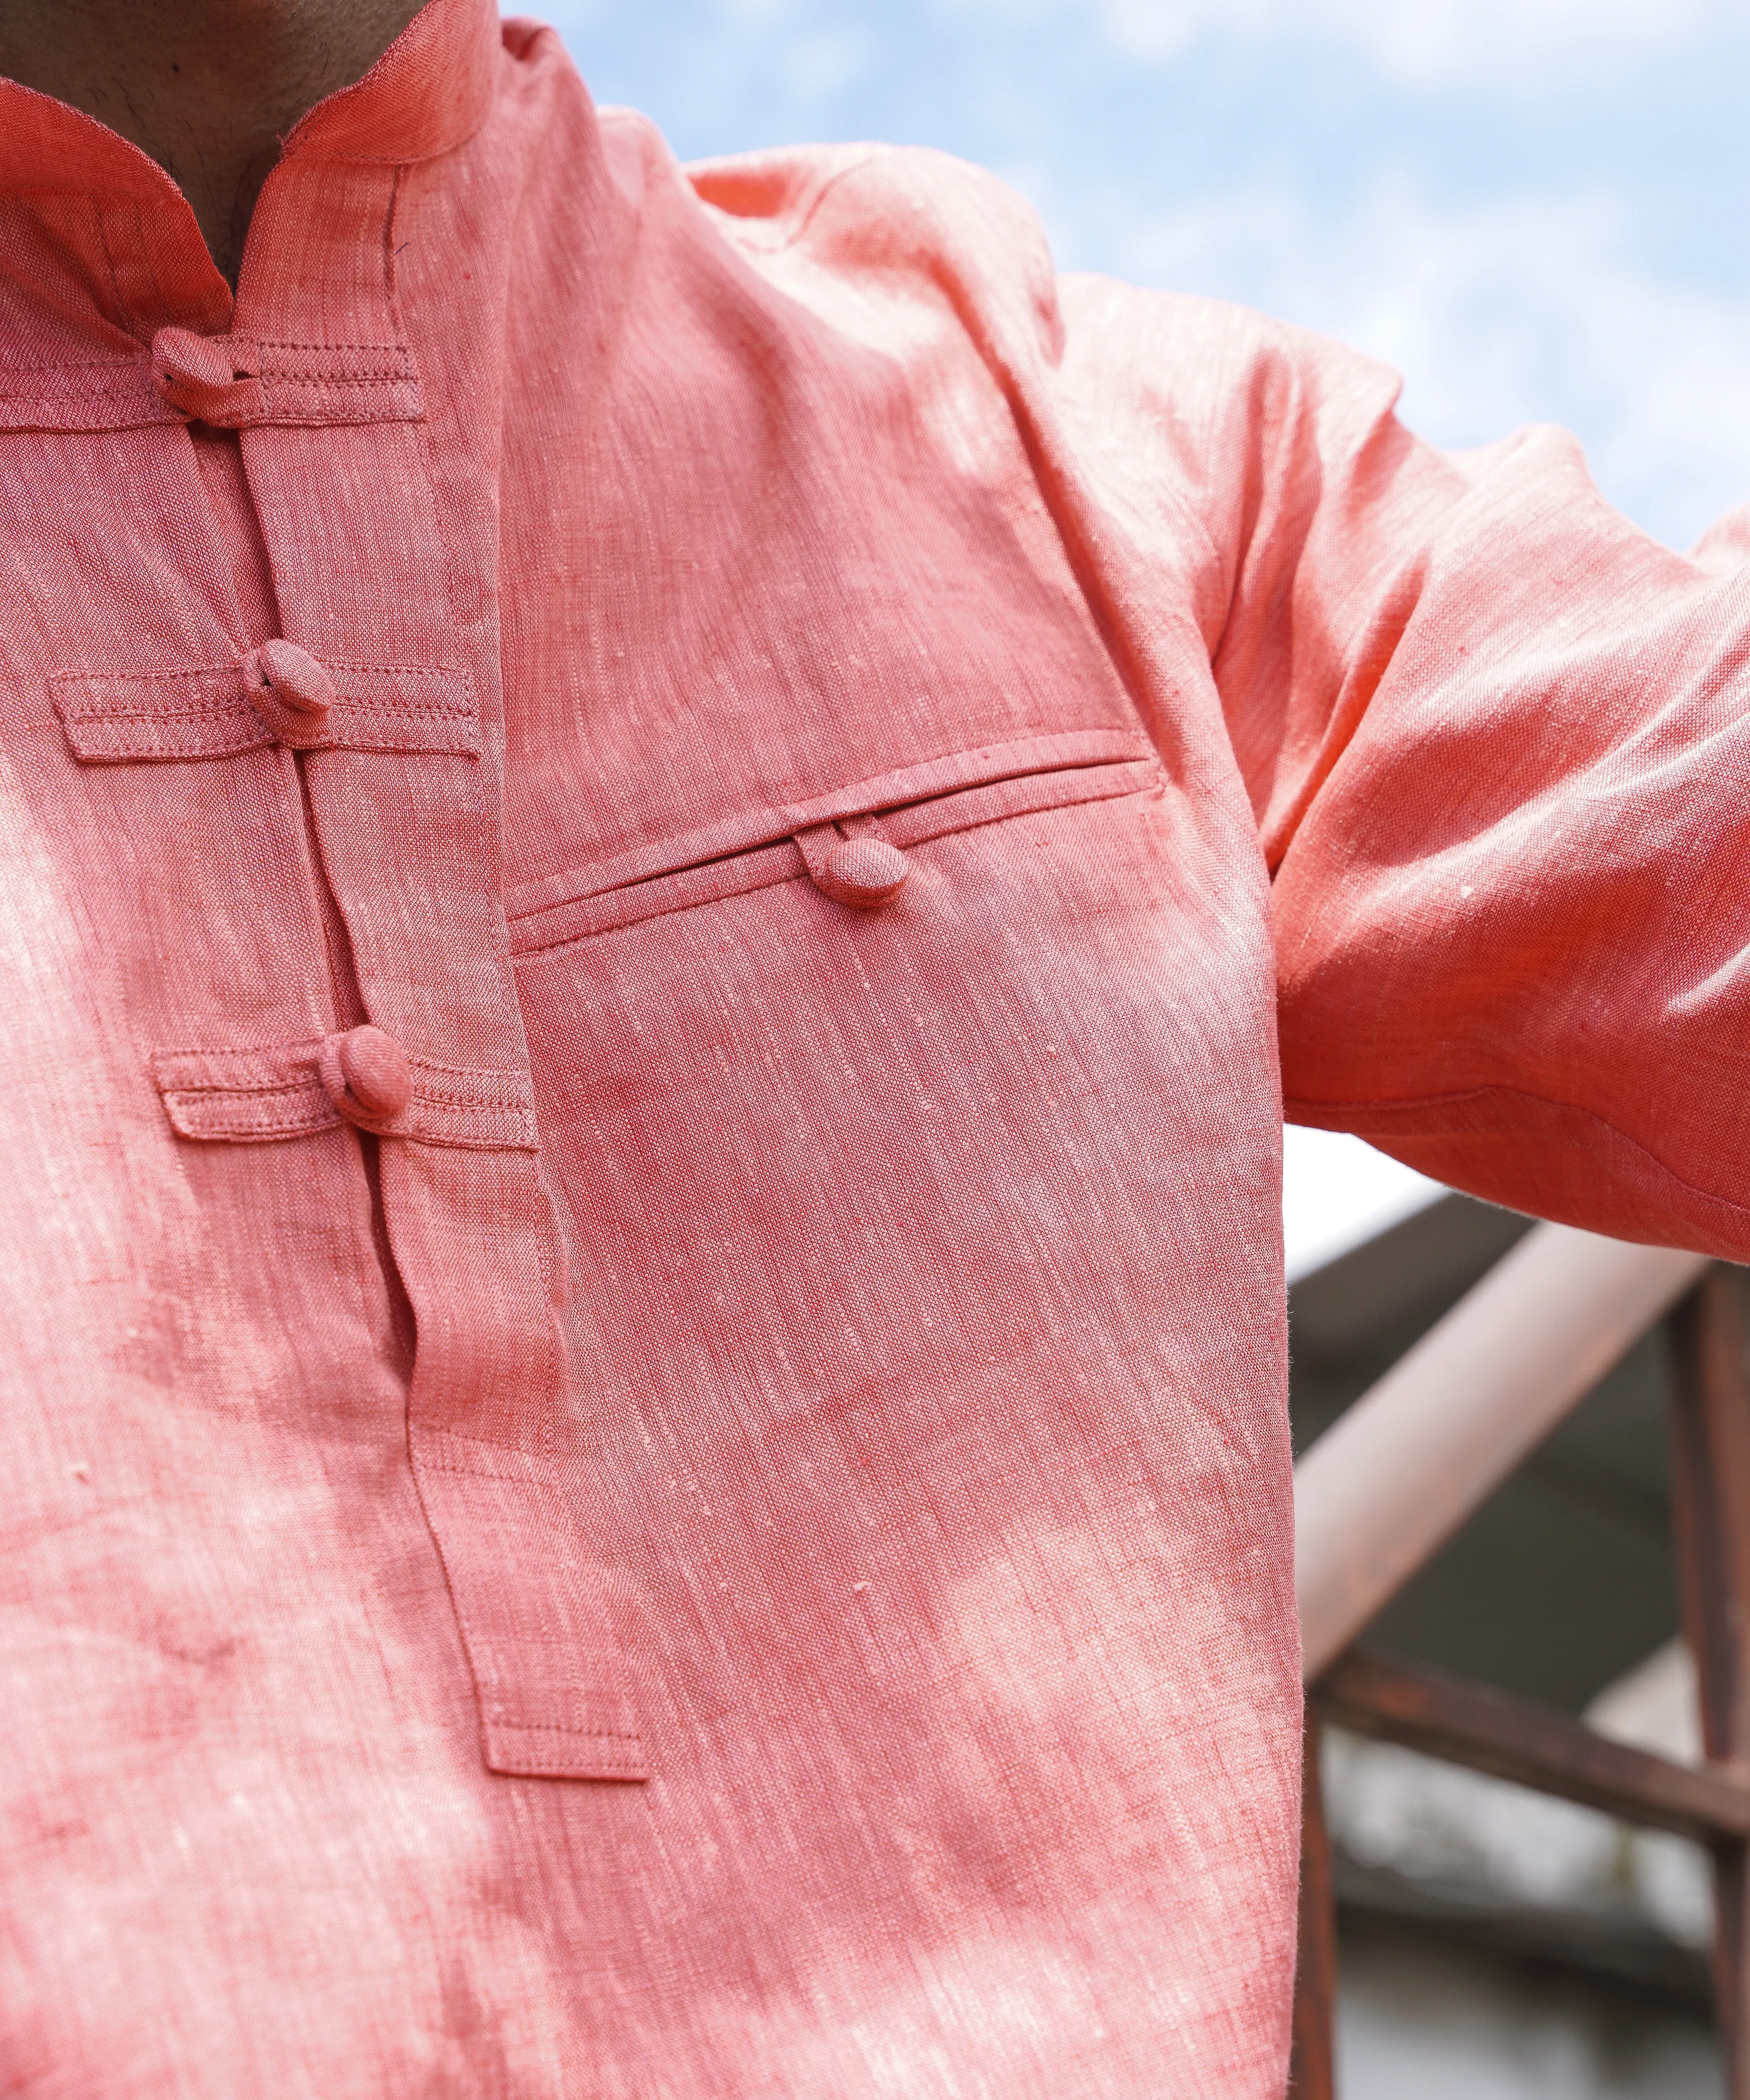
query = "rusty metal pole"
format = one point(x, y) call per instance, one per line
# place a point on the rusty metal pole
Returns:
point(1313, 2074)
point(1711, 1494)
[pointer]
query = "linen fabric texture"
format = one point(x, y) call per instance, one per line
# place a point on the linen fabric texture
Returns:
point(721, 1529)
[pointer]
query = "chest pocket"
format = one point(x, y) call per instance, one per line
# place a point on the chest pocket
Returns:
point(855, 846)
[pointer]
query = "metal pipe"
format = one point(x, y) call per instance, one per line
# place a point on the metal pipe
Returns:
point(1391, 1480)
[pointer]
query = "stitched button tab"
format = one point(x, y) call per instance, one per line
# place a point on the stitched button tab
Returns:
point(183, 361)
point(296, 677)
point(863, 871)
point(366, 1073)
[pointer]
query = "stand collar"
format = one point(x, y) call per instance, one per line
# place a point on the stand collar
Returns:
point(429, 91)
point(71, 189)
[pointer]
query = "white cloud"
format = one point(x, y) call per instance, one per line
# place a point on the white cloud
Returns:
point(1423, 40)
point(1436, 39)
point(823, 62)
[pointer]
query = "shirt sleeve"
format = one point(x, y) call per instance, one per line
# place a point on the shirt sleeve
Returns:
point(1495, 741)
point(1498, 744)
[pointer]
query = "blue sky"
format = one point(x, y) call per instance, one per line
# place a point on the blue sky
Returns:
point(1534, 208)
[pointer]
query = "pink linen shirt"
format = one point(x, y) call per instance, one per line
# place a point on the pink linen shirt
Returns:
point(655, 827)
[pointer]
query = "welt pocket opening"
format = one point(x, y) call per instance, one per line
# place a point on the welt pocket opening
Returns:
point(598, 906)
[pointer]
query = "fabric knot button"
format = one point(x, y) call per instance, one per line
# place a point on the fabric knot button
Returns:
point(863, 871)
point(366, 1074)
point(184, 364)
point(297, 679)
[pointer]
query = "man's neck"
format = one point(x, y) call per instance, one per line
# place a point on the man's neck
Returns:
point(207, 88)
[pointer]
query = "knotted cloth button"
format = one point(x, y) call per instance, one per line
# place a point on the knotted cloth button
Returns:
point(183, 362)
point(863, 871)
point(297, 679)
point(366, 1073)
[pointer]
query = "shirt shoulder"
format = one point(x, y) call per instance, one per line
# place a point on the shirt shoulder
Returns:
point(906, 244)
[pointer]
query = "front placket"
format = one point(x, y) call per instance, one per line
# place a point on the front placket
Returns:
point(388, 711)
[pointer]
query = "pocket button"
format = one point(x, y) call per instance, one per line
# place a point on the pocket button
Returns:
point(865, 872)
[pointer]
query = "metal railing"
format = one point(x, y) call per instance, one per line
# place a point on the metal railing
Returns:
point(1397, 1475)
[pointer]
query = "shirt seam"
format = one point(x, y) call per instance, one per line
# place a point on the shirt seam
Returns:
point(1427, 1103)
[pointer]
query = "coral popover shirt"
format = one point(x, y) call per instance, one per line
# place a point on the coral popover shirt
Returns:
point(655, 828)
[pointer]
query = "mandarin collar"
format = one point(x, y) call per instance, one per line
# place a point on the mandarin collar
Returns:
point(67, 177)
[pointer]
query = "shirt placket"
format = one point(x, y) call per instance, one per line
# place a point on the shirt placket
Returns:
point(375, 682)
